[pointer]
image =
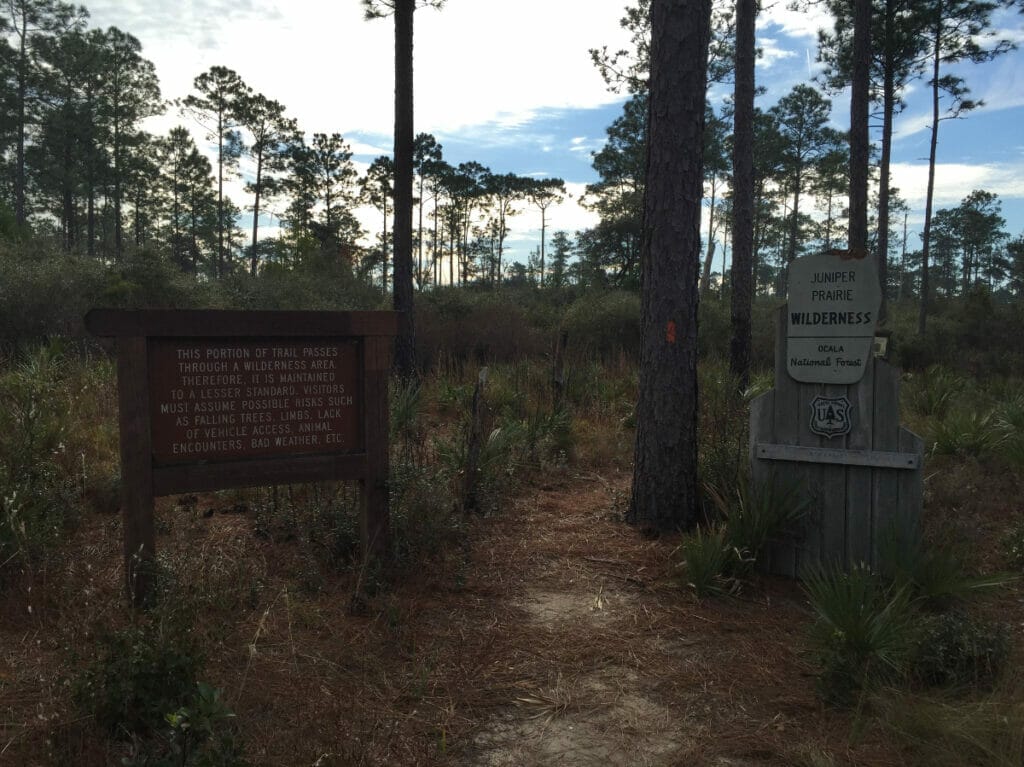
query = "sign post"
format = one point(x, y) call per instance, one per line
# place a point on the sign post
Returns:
point(211, 400)
point(831, 424)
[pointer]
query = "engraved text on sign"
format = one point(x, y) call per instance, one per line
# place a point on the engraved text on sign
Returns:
point(226, 399)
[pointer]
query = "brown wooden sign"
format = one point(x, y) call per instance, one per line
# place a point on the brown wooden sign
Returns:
point(219, 399)
point(237, 398)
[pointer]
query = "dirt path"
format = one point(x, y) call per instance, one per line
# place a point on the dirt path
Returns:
point(557, 636)
point(606, 659)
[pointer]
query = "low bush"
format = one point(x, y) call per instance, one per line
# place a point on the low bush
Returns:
point(458, 326)
point(706, 559)
point(41, 482)
point(756, 515)
point(956, 649)
point(141, 673)
point(966, 433)
point(933, 575)
point(864, 632)
point(605, 324)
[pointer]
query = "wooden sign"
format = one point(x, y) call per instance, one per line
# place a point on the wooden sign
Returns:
point(211, 400)
point(833, 308)
point(842, 445)
point(237, 398)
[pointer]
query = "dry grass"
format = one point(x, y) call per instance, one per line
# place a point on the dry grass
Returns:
point(557, 636)
point(567, 625)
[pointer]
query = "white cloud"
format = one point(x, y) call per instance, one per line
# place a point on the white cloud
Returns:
point(476, 62)
point(795, 23)
point(954, 181)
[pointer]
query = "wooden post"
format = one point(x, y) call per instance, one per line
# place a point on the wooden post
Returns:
point(558, 371)
point(374, 521)
point(475, 445)
point(136, 468)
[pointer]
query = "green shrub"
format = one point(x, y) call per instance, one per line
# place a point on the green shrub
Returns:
point(425, 518)
point(707, 560)
point(203, 733)
point(604, 323)
point(723, 427)
point(933, 392)
point(39, 495)
point(964, 433)
point(44, 293)
point(143, 672)
point(756, 515)
point(954, 649)
point(864, 630)
point(935, 576)
point(462, 326)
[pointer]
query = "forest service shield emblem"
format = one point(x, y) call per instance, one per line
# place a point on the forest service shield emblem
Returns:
point(830, 416)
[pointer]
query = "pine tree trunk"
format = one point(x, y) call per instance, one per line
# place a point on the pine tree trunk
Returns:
point(859, 145)
point(922, 317)
point(885, 162)
point(742, 195)
point(705, 277)
point(401, 230)
point(665, 492)
point(253, 255)
point(20, 214)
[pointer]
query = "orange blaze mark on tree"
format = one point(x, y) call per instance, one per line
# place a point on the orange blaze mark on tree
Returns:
point(670, 332)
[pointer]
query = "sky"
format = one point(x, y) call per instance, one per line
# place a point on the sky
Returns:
point(511, 85)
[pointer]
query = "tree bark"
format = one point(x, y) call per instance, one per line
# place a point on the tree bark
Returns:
point(742, 194)
point(401, 231)
point(705, 277)
point(922, 317)
point(859, 102)
point(885, 162)
point(665, 491)
point(253, 255)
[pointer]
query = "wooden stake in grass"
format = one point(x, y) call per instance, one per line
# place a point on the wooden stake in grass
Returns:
point(558, 372)
point(470, 502)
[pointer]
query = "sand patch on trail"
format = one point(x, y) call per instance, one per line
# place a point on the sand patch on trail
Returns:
point(558, 608)
point(596, 719)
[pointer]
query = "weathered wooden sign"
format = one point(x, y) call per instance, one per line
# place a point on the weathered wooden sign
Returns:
point(835, 435)
point(833, 308)
point(220, 399)
point(238, 398)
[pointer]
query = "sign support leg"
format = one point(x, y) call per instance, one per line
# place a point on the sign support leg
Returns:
point(136, 468)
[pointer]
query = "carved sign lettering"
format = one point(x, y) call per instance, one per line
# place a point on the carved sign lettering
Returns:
point(224, 399)
point(833, 308)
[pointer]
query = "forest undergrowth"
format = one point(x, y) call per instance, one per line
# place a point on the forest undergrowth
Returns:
point(256, 652)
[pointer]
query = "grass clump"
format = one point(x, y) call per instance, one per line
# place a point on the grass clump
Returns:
point(943, 731)
point(718, 558)
point(966, 433)
point(906, 622)
point(934, 576)
point(757, 514)
point(864, 632)
point(933, 392)
point(707, 559)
